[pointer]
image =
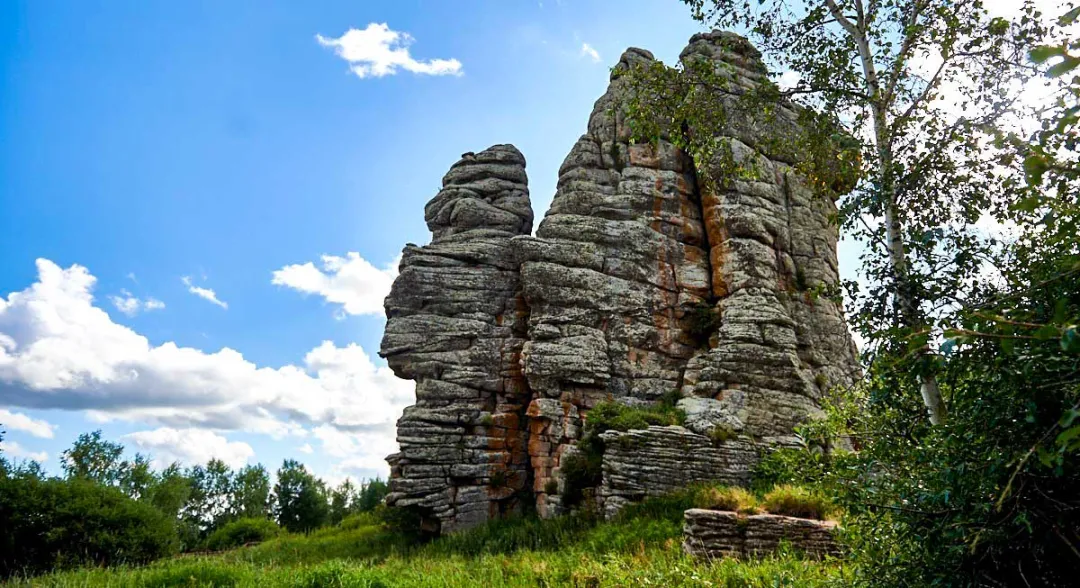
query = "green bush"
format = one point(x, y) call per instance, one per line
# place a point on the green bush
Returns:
point(796, 501)
point(51, 523)
point(241, 532)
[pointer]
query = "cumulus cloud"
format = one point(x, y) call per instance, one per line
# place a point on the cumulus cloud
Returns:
point(131, 305)
point(351, 281)
point(306, 448)
point(59, 350)
point(378, 51)
point(204, 293)
point(190, 446)
point(12, 449)
point(17, 421)
point(588, 51)
point(358, 454)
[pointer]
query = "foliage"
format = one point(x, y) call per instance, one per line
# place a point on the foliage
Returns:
point(730, 498)
point(249, 495)
point(798, 501)
point(48, 524)
point(348, 498)
point(242, 532)
point(301, 498)
point(95, 459)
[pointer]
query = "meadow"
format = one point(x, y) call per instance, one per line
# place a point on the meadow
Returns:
point(639, 548)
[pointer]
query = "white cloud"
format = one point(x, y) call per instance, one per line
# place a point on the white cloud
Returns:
point(13, 449)
point(17, 421)
point(788, 80)
point(350, 281)
point(204, 293)
point(131, 305)
point(190, 446)
point(59, 350)
point(378, 51)
point(588, 51)
point(306, 448)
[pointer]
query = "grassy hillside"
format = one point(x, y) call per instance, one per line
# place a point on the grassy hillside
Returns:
point(640, 548)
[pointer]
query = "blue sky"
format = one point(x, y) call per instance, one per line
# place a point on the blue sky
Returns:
point(190, 164)
point(152, 151)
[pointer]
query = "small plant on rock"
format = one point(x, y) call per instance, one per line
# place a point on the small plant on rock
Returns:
point(731, 498)
point(794, 501)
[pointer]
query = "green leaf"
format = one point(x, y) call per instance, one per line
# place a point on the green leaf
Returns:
point(1035, 165)
point(1070, 340)
point(1044, 52)
point(1059, 69)
point(1069, 17)
point(1068, 435)
point(1028, 204)
point(1047, 332)
point(1007, 345)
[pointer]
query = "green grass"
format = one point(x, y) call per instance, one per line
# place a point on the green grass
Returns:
point(641, 548)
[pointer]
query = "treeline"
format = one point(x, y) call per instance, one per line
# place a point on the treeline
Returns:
point(105, 509)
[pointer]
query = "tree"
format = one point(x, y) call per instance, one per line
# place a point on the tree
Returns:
point(92, 458)
point(136, 478)
point(300, 498)
point(372, 493)
point(250, 496)
point(924, 87)
point(210, 491)
point(343, 501)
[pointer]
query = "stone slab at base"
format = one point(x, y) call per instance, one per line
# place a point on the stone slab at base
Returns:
point(715, 534)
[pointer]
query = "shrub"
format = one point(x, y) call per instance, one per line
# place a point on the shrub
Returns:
point(795, 501)
point(53, 523)
point(241, 532)
point(730, 498)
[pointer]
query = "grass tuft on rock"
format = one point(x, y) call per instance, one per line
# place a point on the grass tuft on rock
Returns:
point(796, 501)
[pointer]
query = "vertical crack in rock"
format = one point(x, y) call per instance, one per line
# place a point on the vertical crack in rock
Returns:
point(456, 324)
point(512, 339)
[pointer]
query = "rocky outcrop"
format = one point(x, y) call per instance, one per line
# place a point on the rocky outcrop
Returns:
point(512, 338)
point(659, 460)
point(456, 323)
point(715, 534)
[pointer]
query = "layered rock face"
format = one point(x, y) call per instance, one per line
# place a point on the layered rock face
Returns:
point(714, 534)
point(456, 324)
point(512, 338)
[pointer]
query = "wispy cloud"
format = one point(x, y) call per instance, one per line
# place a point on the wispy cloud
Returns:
point(17, 421)
point(378, 51)
point(131, 305)
point(588, 51)
point(17, 451)
point(204, 293)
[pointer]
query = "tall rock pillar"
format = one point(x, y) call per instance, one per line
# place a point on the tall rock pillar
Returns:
point(456, 324)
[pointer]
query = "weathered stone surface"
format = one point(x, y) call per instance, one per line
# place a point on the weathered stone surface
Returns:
point(513, 338)
point(659, 460)
point(456, 323)
point(715, 534)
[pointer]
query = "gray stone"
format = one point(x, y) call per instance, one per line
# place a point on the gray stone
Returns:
point(512, 338)
point(716, 534)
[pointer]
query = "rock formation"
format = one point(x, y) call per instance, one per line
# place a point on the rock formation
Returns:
point(512, 338)
point(715, 534)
